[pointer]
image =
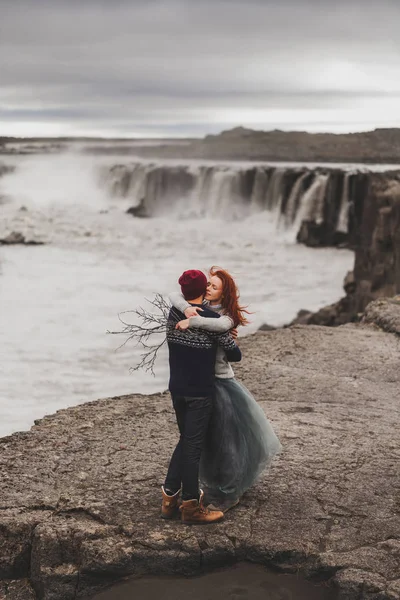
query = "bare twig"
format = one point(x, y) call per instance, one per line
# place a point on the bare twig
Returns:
point(151, 322)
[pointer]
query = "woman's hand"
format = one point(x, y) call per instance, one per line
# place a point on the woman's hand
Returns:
point(234, 333)
point(192, 311)
point(182, 325)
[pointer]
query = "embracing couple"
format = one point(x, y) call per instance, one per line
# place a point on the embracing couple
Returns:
point(225, 438)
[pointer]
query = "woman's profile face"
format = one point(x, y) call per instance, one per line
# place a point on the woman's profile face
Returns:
point(214, 289)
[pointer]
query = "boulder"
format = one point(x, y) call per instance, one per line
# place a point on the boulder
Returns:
point(15, 237)
point(138, 210)
point(266, 327)
point(384, 313)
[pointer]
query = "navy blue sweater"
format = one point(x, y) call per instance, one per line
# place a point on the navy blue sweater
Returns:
point(192, 355)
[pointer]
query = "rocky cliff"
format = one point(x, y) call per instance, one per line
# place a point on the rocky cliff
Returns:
point(80, 492)
point(375, 238)
point(317, 203)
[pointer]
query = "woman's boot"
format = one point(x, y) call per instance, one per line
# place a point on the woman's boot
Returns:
point(193, 512)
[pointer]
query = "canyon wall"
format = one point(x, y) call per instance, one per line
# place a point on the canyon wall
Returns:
point(318, 204)
point(376, 240)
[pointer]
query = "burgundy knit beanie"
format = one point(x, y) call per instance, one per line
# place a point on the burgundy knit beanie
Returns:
point(193, 284)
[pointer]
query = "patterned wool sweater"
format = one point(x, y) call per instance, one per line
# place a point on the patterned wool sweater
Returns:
point(223, 369)
point(192, 355)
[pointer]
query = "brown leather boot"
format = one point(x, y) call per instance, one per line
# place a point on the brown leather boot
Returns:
point(170, 504)
point(193, 512)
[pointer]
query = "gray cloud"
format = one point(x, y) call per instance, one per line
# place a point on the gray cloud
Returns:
point(195, 67)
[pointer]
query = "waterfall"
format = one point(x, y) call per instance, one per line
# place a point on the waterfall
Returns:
point(342, 224)
point(310, 203)
point(233, 192)
point(292, 206)
point(261, 181)
point(274, 190)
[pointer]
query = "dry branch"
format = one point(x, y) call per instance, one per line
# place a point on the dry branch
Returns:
point(153, 321)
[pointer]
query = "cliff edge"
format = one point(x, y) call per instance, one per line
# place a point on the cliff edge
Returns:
point(80, 492)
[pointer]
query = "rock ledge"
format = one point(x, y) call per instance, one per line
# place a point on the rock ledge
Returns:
point(79, 506)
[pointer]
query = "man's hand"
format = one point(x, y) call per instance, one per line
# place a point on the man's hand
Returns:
point(182, 325)
point(234, 333)
point(192, 311)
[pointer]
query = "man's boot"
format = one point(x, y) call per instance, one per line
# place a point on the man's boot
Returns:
point(193, 512)
point(170, 504)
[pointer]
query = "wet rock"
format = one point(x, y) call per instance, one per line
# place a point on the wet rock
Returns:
point(311, 233)
point(328, 316)
point(80, 492)
point(138, 211)
point(266, 327)
point(302, 317)
point(15, 237)
point(319, 235)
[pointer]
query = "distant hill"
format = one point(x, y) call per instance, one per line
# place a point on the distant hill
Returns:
point(380, 145)
point(241, 143)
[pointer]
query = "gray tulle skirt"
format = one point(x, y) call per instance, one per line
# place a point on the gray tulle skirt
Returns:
point(240, 444)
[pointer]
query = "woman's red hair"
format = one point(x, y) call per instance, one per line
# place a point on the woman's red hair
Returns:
point(230, 297)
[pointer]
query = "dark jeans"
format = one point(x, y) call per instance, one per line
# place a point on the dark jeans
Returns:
point(192, 415)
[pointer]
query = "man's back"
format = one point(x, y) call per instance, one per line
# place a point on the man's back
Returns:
point(192, 356)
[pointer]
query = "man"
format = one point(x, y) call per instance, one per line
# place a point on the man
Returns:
point(192, 356)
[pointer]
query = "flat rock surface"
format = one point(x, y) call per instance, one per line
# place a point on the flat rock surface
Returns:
point(80, 492)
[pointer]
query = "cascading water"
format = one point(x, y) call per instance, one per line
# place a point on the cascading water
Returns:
point(295, 194)
point(343, 224)
point(96, 262)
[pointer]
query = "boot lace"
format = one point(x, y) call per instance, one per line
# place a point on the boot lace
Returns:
point(203, 510)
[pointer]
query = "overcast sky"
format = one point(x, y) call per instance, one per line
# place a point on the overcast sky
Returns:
point(191, 67)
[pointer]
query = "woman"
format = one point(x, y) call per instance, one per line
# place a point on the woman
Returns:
point(240, 441)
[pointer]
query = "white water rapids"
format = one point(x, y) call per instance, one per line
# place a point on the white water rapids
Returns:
point(58, 300)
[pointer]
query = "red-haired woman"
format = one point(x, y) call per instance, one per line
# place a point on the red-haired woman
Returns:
point(241, 441)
